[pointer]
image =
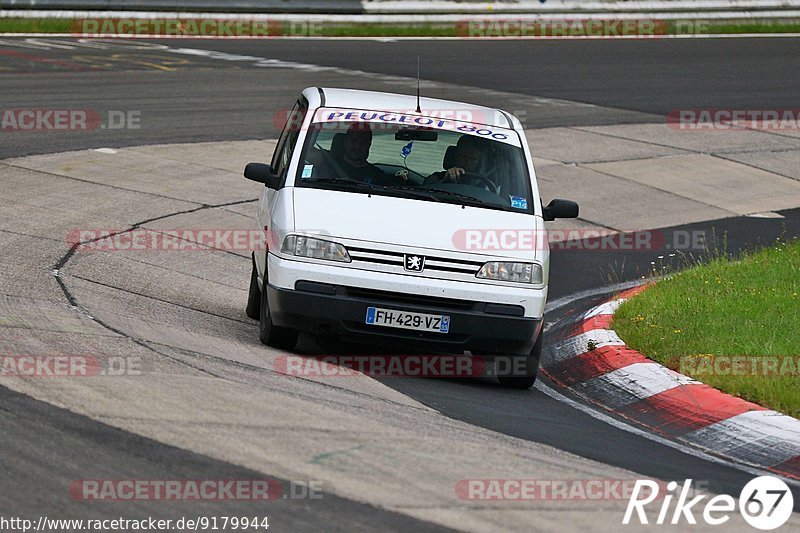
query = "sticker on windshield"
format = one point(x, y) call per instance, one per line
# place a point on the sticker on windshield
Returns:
point(307, 170)
point(518, 202)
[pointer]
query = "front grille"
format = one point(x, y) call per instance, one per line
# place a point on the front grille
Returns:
point(442, 264)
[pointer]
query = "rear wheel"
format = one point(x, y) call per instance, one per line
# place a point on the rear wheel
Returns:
point(269, 333)
point(526, 368)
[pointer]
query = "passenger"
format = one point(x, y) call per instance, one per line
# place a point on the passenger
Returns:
point(357, 142)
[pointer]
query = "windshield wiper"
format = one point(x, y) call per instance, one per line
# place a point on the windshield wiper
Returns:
point(464, 198)
point(338, 180)
point(410, 192)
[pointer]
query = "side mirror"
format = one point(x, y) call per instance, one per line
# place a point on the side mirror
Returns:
point(262, 173)
point(560, 209)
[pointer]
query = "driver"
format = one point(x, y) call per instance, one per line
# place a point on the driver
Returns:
point(466, 161)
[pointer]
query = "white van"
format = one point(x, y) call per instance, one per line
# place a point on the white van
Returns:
point(394, 220)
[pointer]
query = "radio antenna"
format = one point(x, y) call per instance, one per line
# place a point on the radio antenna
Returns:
point(418, 108)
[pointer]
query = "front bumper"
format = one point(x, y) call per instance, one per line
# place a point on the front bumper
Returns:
point(336, 310)
point(287, 273)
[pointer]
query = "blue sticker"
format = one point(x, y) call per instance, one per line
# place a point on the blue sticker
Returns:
point(518, 202)
point(307, 171)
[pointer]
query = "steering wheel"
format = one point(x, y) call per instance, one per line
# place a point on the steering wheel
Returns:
point(478, 181)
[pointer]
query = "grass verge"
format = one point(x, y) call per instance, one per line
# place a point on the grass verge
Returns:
point(729, 324)
point(450, 29)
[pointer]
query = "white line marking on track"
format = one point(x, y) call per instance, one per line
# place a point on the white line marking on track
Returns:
point(568, 299)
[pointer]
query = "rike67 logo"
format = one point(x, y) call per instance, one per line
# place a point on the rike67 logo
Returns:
point(765, 503)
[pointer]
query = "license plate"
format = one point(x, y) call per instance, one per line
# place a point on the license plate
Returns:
point(378, 316)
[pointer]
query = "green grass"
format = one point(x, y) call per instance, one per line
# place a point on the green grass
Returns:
point(37, 25)
point(390, 30)
point(748, 307)
point(756, 27)
point(53, 25)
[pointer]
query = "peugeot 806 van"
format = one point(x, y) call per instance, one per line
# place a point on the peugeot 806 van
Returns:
point(396, 220)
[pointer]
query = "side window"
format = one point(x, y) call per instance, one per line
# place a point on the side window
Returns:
point(288, 138)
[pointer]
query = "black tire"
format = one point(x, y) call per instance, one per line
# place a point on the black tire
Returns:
point(531, 367)
point(269, 333)
point(253, 308)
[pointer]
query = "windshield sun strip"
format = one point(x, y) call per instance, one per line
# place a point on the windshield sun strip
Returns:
point(441, 123)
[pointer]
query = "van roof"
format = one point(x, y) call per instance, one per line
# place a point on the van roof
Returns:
point(407, 104)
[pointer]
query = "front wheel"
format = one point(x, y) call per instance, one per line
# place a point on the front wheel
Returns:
point(526, 365)
point(269, 333)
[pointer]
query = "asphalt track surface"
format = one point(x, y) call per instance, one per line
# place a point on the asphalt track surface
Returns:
point(646, 75)
point(189, 98)
point(36, 471)
point(200, 99)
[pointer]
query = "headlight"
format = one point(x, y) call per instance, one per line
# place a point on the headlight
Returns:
point(315, 248)
point(519, 272)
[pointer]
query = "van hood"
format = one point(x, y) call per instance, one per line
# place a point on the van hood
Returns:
point(419, 224)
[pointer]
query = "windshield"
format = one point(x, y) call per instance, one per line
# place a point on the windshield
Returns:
point(424, 163)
